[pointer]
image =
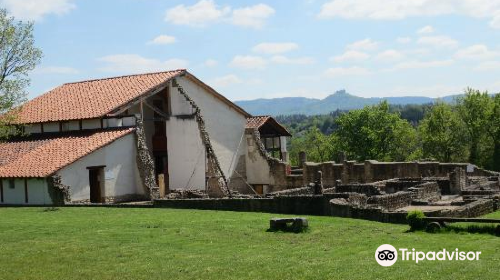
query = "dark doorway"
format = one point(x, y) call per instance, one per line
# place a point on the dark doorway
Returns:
point(96, 188)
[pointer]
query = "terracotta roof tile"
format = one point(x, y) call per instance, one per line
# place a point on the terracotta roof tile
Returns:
point(90, 99)
point(41, 157)
point(257, 121)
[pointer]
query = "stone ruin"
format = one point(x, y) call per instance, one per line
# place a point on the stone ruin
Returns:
point(381, 191)
point(366, 190)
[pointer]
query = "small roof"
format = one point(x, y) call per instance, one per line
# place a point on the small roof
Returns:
point(266, 123)
point(43, 155)
point(100, 97)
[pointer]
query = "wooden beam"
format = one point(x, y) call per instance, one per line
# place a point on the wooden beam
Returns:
point(26, 190)
point(142, 109)
point(156, 109)
point(139, 99)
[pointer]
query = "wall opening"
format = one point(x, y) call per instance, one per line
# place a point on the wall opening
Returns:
point(96, 182)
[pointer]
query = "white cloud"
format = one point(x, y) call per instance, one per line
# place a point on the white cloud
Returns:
point(226, 81)
point(210, 63)
point(133, 63)
point(163, 40)
point(36, 9)
point(206, 11)
point(253, 16)
point(280, 59)
point(346, 71)
point(415, 64)
point(248, 62)
point(426, 30)
point(55, 70)
point(351, 56)
point(438, 41)
point(476, 52)
point(275, 48)
point(200, 14)
point(403, 40)
point(495, 22)
point(389, 56)
point(398, 10)
point(488, 66)
point(363, 45)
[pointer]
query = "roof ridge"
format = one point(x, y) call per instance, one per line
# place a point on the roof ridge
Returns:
point(123, 76)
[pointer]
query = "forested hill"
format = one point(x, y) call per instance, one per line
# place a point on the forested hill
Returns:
point(340, 100)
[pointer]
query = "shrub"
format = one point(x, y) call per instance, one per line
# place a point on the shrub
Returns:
point(416, 220)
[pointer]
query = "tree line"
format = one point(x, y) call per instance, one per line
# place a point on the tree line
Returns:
point(467, 130)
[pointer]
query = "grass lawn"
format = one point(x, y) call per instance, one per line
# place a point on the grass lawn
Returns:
point(112, 243)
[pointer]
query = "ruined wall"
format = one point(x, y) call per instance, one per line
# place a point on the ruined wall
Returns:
point(428, 191)
point(391, 201)
point(330, 172)
point(374, 171)
point(368, 189)
point(265, 170)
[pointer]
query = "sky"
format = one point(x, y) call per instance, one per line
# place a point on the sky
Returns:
point(267, 49)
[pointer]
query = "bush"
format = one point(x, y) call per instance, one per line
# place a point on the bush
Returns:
point(416, 220)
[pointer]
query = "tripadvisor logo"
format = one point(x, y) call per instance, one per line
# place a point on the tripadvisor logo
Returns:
point(387, 255)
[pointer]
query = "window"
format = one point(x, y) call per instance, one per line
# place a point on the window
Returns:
point(12, 184)
point(64, 126)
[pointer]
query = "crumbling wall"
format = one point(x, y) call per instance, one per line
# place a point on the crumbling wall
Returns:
point(391, 201)
point(368, 189)
point(145, 163)
point(331, 172)
point(374, 171)
point(428, 191)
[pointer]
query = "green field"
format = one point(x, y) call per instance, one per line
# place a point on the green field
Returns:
point(113, 243)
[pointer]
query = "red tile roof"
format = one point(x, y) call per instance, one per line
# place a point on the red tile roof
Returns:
point(41, 157)
point(92, 98)
point(258, 122)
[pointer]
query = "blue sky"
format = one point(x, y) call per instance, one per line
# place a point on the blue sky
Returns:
point(268, 49)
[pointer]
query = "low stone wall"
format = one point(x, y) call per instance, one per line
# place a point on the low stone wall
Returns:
point(474, 209)
point(296, 191)
point(393, 186)
point(341, 208)
point(392, 201)
point(299, 205)
point(373, 171)
point(429, 191)
point(368, 189)
point(443, 183)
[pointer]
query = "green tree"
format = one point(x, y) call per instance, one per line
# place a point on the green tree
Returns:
point(18, 56)
point(375, 133)
point(442, 134)
point(318, 146)
point(494, 132)
point(475, 109)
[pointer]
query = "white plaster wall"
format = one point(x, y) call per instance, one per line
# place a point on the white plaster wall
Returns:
point(91, 124)
point(38, 192)
point(257, 166)
point(121, 169)
point(15, 195)
point(186, 155)
point(224, 124)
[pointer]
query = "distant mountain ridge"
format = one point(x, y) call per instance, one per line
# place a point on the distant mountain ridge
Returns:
point(340, 100)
